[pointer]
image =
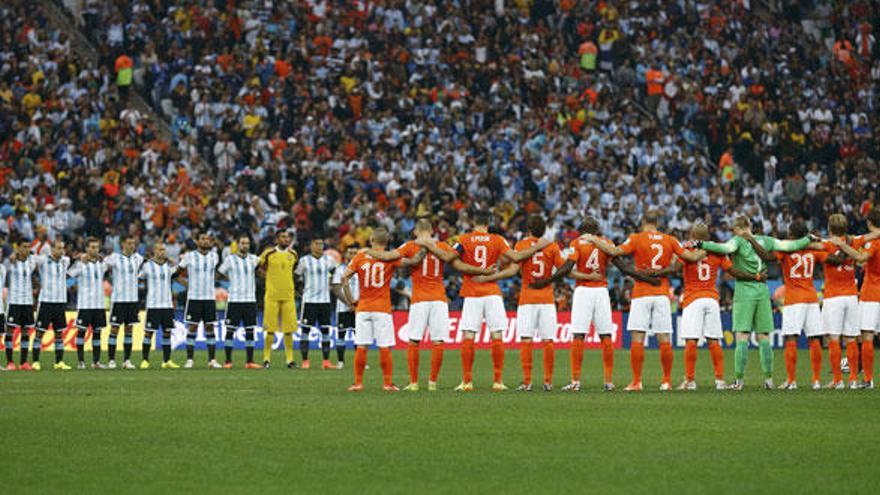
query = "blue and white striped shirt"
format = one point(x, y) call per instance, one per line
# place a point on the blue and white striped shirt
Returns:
point(316, 274)
point(21, 288)
point(125, 276)
point(158, 279)
point(341, 307)
point(2, 284)
point(200, 274)
point(89, 284)
point(53, 278)
point(241, 271)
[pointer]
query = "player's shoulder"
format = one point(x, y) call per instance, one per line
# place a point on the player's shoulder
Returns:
point(524, 243)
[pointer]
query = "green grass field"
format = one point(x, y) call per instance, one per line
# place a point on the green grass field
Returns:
point(299, 431)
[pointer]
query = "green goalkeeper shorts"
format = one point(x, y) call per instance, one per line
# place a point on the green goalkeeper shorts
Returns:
point(754, 315)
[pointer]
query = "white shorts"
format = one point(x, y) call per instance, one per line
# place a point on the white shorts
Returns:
point(370, 326)
point(650, 314)
point(591, 305)
point(869, 316)
point(803, 316)
point(536, 321)
point(701, 319)
point(840, 316)
point(477, 309)
point(432, 316)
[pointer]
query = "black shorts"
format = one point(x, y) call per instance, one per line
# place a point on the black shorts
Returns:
point(124, 313)
point(20, 315)
point(345, 320)
point(95, 318)
point(317, 315)
point(51, 314)
point(160, 319)
point(241, 314)
point(200, 311)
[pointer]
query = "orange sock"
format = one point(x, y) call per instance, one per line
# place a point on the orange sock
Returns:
point(386, 365)
point(666, 357)
point(607, 357)
point(816, 358)
point(637, 360)
point(360, 363)
point(717, 359)
point(549, 361)
point(867, 358)
point(497, 360)
point(436, 360)
point(412, 361)
point(852, 356)
point(790, 354)
point(577, 359)
point(467, 360)
point(834, 353)
point(525, 358)
point(690, 360)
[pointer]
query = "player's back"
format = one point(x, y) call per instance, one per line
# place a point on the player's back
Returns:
point(589, 259)
point(798, 268)
point(871, 284)
point(427, 276)
point(840, 280)
point(480, 249)
point(701, 278)
point(374, 282)
point(539, 265)
point(651, 251)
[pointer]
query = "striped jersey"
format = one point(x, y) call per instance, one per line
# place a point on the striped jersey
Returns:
point(241, 271)
point(341, 307)
point(158, 279)
point(200, 274)
point(53, 278)
point(316, 273)
point(2, 284)
point(125, 271)
point(89, 284)
point(21, 288)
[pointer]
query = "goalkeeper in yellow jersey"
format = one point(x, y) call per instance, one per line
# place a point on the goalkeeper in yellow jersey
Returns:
point(279, 311)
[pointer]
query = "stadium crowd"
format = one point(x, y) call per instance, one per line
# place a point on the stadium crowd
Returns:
point(332, 117)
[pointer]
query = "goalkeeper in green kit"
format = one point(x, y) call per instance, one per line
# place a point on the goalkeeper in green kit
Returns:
point(752, 311)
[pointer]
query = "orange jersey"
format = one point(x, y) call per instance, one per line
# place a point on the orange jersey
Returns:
point(797, 275)
point(589, 259)
point(427, 276)
point(700, 278)
point(539, 266)
point(840, 280)
point(480, 249)
point(374, 282)
point(651, 251)
point(871, 283)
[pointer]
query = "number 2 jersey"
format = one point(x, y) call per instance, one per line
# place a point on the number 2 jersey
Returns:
point(651, 251)
point(480, 249)
point(374, 282)
point(539, 265)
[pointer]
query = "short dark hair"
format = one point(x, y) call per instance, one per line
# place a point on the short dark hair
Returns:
point(482, 217)
point(798, 229)
point(536, 225)
point(874, 217)
point(91, 240)
point(590, 226)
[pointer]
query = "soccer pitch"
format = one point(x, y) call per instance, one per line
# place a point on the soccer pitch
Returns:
point(300, 431)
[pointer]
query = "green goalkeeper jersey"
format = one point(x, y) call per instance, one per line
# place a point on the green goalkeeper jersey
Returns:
point(745, 259)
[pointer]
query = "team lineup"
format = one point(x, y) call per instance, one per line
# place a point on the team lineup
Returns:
point(362, 288)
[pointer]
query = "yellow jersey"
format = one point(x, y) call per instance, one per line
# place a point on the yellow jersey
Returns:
point(279, 265)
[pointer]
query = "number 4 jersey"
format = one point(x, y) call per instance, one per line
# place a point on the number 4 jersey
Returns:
point(588, 259)
point(374, 283)
point(427, 276)
point(539, 265)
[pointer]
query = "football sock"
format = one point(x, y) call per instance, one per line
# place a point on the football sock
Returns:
point(577, 359)
point(852, 356)
point(166, 345)
point(436, 360)
point(7, 342)
point(145, 346)
point(497, 360)
point(549, 361)
point(80, 345)
point(211, 339)
point(288, 347)
point(690, 360)
point(126, 346)
point(790, 355)
point(666, 357)
point(717, 359)
point(607, 358)
point(96, 345)
point(412, 361)
point(741, 358)
point(816, 358)
point(228, 343)
point(637, 360)
point(59, 346)
point(304, 344)
point(834, 354)
point(25, 341)
point(867, 358)
point(268, 340)
point(467, 360)
point(249, 344)
point(386, 364)
point(766, 353)
point(38, 345)
point(190, 345)
point(111, 346)
point(340, 346)
point(360, 362)
point(525, 358)
point(325, 343)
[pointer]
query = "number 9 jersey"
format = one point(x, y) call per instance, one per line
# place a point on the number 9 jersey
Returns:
point(480, 249)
